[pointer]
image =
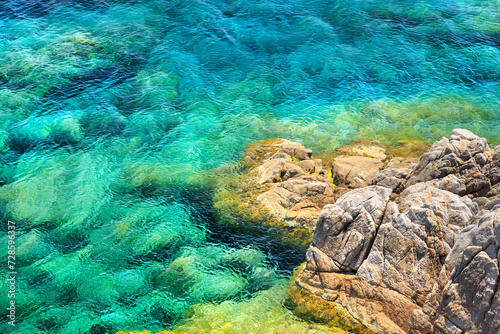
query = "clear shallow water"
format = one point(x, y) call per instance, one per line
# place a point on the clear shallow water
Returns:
point(113, 114)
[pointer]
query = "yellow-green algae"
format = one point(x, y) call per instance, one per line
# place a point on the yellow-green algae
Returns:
point(423, 120)
point(308, 306)
point(236, 201)
point(263, 313)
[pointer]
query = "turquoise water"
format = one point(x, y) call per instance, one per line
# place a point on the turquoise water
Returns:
point(115, 113)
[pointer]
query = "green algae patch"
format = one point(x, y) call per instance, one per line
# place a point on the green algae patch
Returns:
point(310, 307)
point(422, 120)
point(264, 313)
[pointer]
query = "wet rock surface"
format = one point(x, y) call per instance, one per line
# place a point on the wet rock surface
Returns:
point(418, 250)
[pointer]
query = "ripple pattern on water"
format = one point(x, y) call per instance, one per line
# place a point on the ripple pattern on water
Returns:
point(118, 117)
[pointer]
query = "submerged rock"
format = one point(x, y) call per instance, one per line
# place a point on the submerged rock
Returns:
point(416, 252)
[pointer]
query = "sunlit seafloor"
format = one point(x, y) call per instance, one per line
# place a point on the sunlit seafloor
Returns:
point(115, 115)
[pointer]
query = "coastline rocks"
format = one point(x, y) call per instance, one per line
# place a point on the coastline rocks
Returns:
point(467, 300)
point(357, 162)
point(280, 185)
point(414, 239)
point(354, 171)
point(299, 187)
point(370, 308)
point(299, 200)
point(391, 178)
point(346, 229)
point(418, 251)
point(361, 163)
point(462, 164)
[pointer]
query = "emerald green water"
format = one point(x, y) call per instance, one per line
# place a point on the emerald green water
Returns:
point(114, 114)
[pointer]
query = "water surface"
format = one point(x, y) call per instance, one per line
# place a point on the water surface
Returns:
point(115, 113)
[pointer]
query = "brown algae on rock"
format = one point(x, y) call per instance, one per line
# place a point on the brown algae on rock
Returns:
point(317, 309)
point(238, 198)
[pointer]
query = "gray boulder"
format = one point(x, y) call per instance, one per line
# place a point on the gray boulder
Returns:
point(418, 251)
point(345, 230)
point(463, 159)
point(466, 299)
point(414, 239)
point(391, 177)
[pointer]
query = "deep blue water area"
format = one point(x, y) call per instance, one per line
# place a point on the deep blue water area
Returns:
point(119, 118)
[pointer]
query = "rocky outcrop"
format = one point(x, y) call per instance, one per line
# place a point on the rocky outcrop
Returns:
point(391, 177)
point(280, 184)
point(299, 189)
point(356, 171)
point(418, 251)
point(345, 231)
point(466, 298)
point(298, 201)
point(462, 164)
point(417, 233)
point(357, 163)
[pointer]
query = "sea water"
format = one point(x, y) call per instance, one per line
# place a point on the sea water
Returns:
point(116, 116)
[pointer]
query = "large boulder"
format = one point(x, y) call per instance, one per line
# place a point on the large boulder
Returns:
point(391, 177)
point(345, 230)
point(371, 308)
point(411, 253)
point(356, 171)
point(462, 164)
point(415, 237)
point(466, 299)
